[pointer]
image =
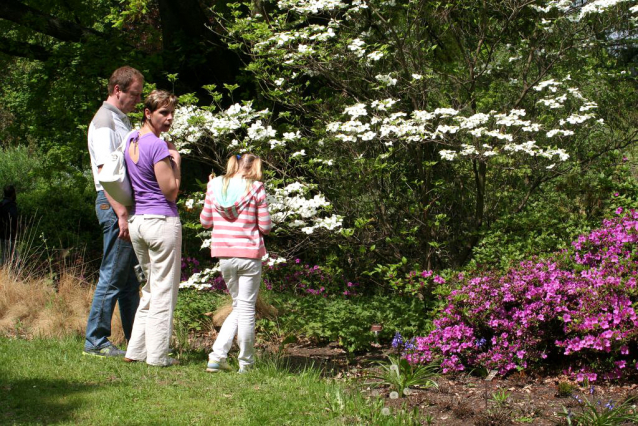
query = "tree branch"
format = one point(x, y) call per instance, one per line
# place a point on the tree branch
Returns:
point(23, 50)
point(26, 16)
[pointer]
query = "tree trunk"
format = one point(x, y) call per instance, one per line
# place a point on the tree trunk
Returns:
point(480, 178)
point(192, 49)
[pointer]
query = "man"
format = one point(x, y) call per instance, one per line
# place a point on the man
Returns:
point(117, 282)
point(8, 224)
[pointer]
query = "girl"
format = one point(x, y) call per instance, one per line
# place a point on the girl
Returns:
point(236, 208)
point(153, 166)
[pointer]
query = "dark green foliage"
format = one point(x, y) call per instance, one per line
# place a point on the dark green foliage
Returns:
point(54, 199)
point(348, 321)
point(193, 304)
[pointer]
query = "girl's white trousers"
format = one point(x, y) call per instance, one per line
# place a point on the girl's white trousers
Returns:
point(243, 278)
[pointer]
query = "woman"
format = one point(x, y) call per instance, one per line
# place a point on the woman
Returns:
point(153, 167)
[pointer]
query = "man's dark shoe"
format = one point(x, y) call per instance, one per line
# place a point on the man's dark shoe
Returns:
point(107, 351)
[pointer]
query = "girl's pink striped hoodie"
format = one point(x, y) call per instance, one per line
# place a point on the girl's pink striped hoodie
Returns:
point(239, 221)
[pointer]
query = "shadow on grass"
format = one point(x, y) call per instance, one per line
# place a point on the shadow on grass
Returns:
point(295, 364)
point(320, 357)
point(41, 401)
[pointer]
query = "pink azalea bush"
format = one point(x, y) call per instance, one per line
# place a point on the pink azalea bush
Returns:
point(575, 308)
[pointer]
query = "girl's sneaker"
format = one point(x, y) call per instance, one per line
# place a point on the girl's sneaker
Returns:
point(216, 367)
point(245, 369)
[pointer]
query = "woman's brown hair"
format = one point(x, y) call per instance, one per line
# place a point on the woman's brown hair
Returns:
point(158, 99)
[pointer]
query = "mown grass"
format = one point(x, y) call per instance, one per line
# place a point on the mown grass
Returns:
point(49, 381)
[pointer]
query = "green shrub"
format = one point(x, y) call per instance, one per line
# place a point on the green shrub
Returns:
point(348, 320)
point(53, 197)
point(17, 167)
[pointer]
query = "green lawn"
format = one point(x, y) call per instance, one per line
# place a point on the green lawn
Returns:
point(51, 382)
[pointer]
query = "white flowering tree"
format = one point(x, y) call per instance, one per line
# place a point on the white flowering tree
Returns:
point(297, 208)
point(422, 122)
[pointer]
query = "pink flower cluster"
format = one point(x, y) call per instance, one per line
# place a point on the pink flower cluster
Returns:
point(574, 308)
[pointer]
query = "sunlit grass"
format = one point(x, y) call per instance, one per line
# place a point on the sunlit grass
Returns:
point(50, 381)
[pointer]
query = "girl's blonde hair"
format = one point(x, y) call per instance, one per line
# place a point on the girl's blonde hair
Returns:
point(250, 164)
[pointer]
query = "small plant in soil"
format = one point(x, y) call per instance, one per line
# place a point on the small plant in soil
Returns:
point(494, 417)
point(500, 398)
point(499, 414)
point(594, 411)
point(399, 375)
point(565, 389)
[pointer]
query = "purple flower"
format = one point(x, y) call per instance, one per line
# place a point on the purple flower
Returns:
point(397, 341)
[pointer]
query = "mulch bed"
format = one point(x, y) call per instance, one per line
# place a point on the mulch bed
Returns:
point(464, 399)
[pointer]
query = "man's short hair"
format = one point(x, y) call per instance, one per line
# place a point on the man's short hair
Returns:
point(124, 77)
point(9, 191)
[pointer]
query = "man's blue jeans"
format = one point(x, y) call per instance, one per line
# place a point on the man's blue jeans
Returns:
point(117, 281)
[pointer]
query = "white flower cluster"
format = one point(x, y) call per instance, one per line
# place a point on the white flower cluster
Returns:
point(530, 148)
point(554, 103)
point(272, 261)
point(562, 132)
point(452, 128)
point(598, 6)
point(384, 104)
point(306, 7)
point(551, 84)
point(257, 131)
point(356, 46)
point(192, 124)
point(292, 39)
point(558, 101)
point(356, 110)
point(185, 129)
point(573, 12)
point(386, 79)
point(562, 5)
point(291, 205)
point(321, 161)
point(577, 119)
point(200, 280)
point(375, 56)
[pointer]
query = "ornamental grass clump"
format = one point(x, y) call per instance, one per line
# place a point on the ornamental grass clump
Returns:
point(400, 376)
point(574, 308)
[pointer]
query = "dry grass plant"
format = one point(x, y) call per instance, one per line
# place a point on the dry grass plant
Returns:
point(263, 310)
point(46, 297)
point(35, 307)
